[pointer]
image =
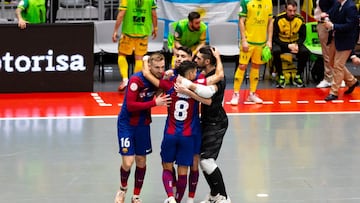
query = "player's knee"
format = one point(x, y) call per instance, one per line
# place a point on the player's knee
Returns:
point(208, 165)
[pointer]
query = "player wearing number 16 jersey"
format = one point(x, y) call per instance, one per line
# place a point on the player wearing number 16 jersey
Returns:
point(134, 126)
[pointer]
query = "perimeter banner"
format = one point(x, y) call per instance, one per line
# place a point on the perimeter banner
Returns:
point(47, 58)
point(210, 10)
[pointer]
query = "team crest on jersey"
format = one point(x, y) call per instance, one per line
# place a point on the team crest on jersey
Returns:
point(125, 150)
point(133, 86)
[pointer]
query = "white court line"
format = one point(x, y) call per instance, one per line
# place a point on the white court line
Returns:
point(284, 102)
point(302, 102)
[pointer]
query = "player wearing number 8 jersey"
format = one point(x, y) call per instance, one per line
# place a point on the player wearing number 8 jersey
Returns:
point(182, 125)
point(134, 126)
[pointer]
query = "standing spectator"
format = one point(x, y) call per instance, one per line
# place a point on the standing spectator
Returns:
point(30, 11)
point(324, 6)
point(288, 37)
point(138, 18)
point(52, 9)
point(190, 32)
point(256, 29)
point(134, 127)
point(342, 24)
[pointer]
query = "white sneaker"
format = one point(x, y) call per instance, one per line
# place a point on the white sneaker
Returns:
point(323, 84)
point(120, 196)
point(208, 199)
point(343, 84)
point(254, 98)
point(170, 200)
point(190, 200)
point(136, 199)
point(235, 99)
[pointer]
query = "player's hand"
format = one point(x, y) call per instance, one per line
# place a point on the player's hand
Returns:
point(356, 61)
point(154, 34)
point(168, 74)
point(146, 68)
point(181, 88)
point(215, 52)
point(146, 58)
point(245, 46)
point(269, 44)
point(163, 99)
point(22, 23)
point(115, 37)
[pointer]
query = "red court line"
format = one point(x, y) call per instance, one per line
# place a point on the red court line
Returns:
point(109, 103)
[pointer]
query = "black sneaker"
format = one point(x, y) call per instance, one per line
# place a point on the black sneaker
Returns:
point(297, 81)
point(281, 83)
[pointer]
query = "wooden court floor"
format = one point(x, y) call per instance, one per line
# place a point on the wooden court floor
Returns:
point(294, 148)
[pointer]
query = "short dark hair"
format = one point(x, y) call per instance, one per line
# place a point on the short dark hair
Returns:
point(186, 50)
point(291, 2)
point(208, 54)
point(193, 15)
point(185, 66)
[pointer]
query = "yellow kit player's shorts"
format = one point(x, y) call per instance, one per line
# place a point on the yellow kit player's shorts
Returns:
point(129, 44)
point(254, 54)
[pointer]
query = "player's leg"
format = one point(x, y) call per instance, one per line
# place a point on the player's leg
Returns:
point(141, 46)
point(127, 151)
point(143, 148)
point(184, 159)
point(125, 48)
point(211, 145)
point(168, 155)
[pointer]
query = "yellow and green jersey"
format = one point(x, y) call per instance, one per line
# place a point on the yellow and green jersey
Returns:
point(33, 11)
point(257, 14)
point(189, 38)
point(137, 21)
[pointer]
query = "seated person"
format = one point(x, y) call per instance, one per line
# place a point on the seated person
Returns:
point(189, 32)
point(288, 37)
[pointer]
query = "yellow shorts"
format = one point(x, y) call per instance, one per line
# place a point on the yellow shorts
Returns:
point(254, 54)
point(129, 44)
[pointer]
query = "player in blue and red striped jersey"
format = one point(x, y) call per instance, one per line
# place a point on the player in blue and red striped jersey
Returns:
point(182, 125)
point(134, 126)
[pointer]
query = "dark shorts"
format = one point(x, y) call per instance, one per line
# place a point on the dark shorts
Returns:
point(178, 149)
point(212, 138)
point(134, 140)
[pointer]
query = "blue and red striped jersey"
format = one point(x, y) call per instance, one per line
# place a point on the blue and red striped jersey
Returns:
point(138, 100)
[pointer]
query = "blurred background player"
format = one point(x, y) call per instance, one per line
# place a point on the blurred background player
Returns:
point(138, 18)
point(30, 11)
point(256, 28)
point(190, 32)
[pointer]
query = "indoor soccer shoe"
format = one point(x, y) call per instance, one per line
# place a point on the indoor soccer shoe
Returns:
point(170, 200)
point(120, 196)
point(136, 199)
point(235, 99)
point(297, 81)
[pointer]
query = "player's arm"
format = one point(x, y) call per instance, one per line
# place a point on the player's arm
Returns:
point(21, 21)
point(147, 74)
point(118, 22)
point(132, 95)
point(154, 23)
point(219, 71)
point(202, 42)
point(201, 90)
point(270, 30)
point(183, 90)
point(244, 43)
